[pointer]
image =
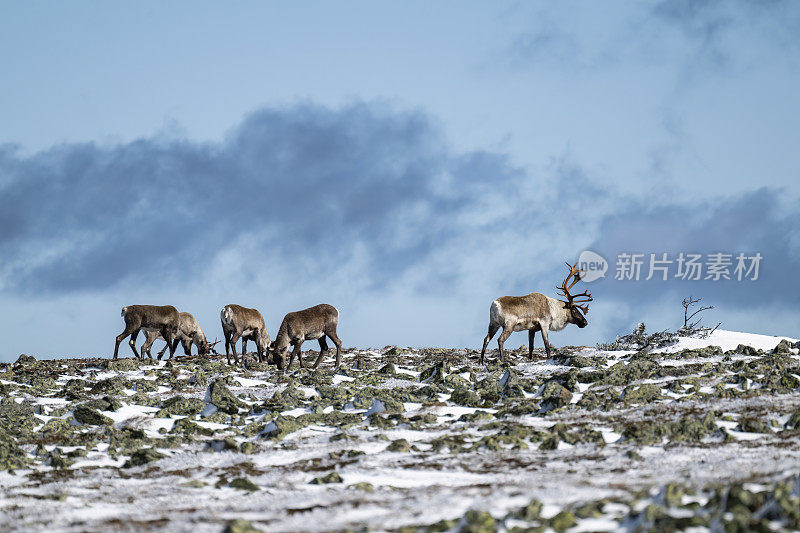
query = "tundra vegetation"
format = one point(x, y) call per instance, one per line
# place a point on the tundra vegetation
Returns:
point(408, 440)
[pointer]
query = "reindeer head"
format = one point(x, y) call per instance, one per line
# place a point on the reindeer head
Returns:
point(278, 354)
point(577, 305)
point(206, 348)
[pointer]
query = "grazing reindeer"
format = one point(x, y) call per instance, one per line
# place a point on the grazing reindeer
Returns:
point(247, 324)
point(160, 318)
point(189, 332)
point(313, 323)
point(537, 312)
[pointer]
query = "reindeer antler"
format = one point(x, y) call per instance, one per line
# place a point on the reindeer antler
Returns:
point(572, 278)
point(211, 346)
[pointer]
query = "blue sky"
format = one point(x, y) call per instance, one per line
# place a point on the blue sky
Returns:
point(407, 163)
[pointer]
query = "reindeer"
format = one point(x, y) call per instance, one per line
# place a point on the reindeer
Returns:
point(313, 323)
point(160, 318)
point(537, 312)
point(188, 332)
point(247, 324)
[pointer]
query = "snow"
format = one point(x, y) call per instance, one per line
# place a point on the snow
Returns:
point(728, 340)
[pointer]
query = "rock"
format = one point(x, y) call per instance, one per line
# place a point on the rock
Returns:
point(783, 347)
point(143, 456)
point(466, 397)
point(56, 426)
point(642, 394)
point(746, 350)
point(199, 378)
point(242, 483)
point(754, 425)
point(478, 522)
point(220, 396)
point(12, 457)
point(362, 486)
point(563, 521)
point(241, 526)
point(622, 374)
point(17, 418)
point(399, 445)
point(388, 370)
point(24, 359)
point(180, 406)
point(332, 477)
point(435, 373)
point(554, 396)
point(794, 421)
point(106, 403)
point(673, 495)
point(531, 512)
point(127, 364)
point(90, 417)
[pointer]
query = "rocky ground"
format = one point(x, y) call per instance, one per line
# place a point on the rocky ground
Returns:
point(410, 440)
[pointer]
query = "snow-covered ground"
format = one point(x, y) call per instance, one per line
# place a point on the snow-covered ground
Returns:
point(604, 441)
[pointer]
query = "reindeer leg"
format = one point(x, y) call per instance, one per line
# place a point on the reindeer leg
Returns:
point(323, 349)
point(502, 339)
point(167, 334)
point(235, 337)
point(531, 336)
point(120, 338)
point(300, 355)
point(546, 342)
point(492, 330)
point(161, 352)
point(244, 347)
point(227, 345)
point(132, 342)
point(335, 338)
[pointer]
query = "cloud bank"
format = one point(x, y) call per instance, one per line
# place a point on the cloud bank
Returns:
point(365, 205)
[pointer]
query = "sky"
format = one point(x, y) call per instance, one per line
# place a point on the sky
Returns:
point(407, 163)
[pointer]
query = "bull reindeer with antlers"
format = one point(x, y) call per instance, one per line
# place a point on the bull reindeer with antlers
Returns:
point(537, 312)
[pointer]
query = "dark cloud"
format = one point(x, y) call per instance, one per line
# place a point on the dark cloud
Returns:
point(303, 182)
point(761, 221)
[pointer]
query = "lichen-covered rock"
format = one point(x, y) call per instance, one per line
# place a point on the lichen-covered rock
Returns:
point(435, 373)
point(180, 406)
point(466, 397)
point(241, 526)
point(17, 418)
point(12, 457)
point(754, 425)
point(91, 417)
point(221, 396)
point(530, 512)
point(106, 403)
point(56, 426)
point(563, 521)
point(475, 521)
point(746, 350)
point(113, 386)
point(399, 445)
point(554, 396)
point(242, 483)
point(642, 394)
point(281, 426)
point(25, 359)
point(126, 364)
point(332, 477)
point(783, 347)
point(622, 374)
point(143, 456)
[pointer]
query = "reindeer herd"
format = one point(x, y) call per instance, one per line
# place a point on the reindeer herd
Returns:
point(532, 312)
